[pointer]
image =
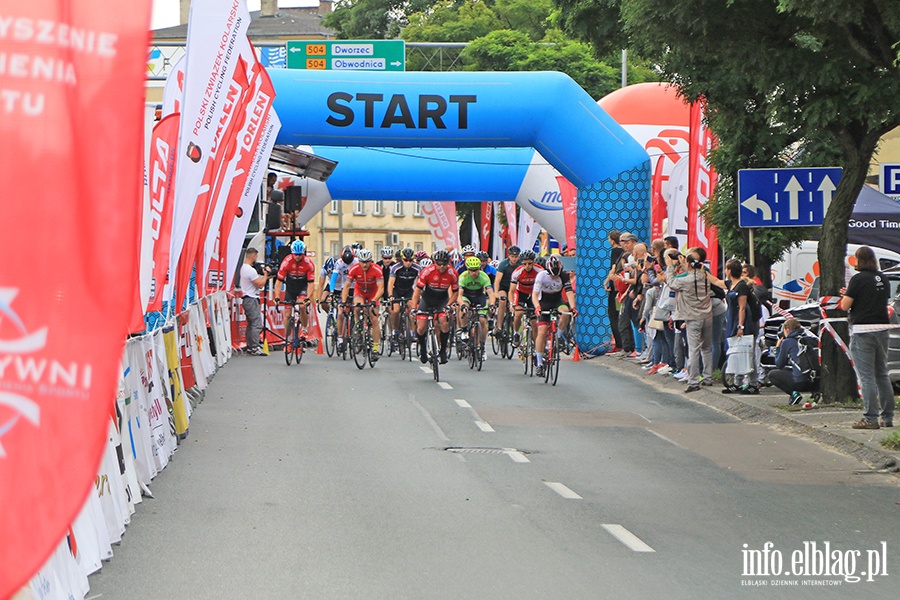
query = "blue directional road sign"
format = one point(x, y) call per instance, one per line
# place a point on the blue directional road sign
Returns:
point(785, 197)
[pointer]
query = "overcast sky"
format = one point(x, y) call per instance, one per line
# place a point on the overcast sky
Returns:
point(165, 12)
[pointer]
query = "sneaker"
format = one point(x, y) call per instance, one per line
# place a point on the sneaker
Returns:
point(731, 389)
point(634, 355)
point(517, 339)
point(888, 424)
point(865, 424)
point(340, 348)
point(647, 366)
point(706, 382)
point(692, 388)
point(375, 356)
point(664, 370)
point(616, 353)
point(654, 369)
point(539, 370)
point(681, 375)
point(796, 398)
point(257, 352)
point(750, 390)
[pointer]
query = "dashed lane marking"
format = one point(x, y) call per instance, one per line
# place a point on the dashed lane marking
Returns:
point(445, 385)
point(485, 427)
point(562, 490)
point(628, 538)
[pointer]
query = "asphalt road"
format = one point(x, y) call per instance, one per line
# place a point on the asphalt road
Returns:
point(321, 481)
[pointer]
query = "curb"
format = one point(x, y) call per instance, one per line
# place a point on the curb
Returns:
point(872, 457)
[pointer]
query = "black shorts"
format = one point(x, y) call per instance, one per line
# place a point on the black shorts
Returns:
point(525, 302)
point(550, 302)
point(403, 294)
point(292, 292)
point(476, 298)
point(433, 304)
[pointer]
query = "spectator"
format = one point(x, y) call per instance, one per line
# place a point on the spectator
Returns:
point(866, 298)
point(625, 277)
point(739, 323)
point(635, 298)
point(251, 282)
point(791, 380)
point(611, 309)
point(664, 341)
point(693, 305)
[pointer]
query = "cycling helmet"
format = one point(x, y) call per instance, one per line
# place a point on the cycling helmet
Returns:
point(364, 255)
point(421, 254)
point(347, 255)
point(329, 263)
point(527, 255)
point(407, 254)
point(469, 249)
point(554, 265)
point(514, 251)
point(541, 261)
point(387, 252)
point(483, 255)
point(441, 257)
point(473, 263)
point(455, 256)
point(298, 247)
point(356, 245)
point(425, 262)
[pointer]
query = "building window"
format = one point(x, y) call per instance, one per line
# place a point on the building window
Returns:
point(398, 208)
point(334, 207)
point(335, 248)
point(434, 247)
point(359, 207)
point(418, 210)
point(377, 252)
point(378, 209)
point(419, 246)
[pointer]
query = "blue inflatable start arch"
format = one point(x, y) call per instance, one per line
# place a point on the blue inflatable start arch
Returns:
point(545, 111)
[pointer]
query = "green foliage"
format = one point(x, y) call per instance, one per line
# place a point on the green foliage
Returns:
point(371, 19)
point(450, 21)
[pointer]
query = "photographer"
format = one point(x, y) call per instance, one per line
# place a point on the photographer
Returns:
point(253, 278)
point(788, 375)
point(693, 305)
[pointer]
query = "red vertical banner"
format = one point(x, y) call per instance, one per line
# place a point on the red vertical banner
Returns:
point(658, 205)
point(163, 144)
point(701, 183)
point(569, 194)
point(441, 219)
point(73, 100)
point(511, 225)
point(487, 211)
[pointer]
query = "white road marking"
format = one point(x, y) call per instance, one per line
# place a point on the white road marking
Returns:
point(643, 417)
point(445, 385)
point(562, 490)
point(628, 538)
point(485, 427)
point(664, 438)
point(425, 369)
point(515, 455)
point(463, 403)
point(431, 421)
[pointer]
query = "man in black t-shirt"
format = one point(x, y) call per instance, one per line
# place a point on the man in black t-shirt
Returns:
point(866, 298)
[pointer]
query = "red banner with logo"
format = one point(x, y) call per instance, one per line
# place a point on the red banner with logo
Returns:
point(487, 209)
point(701, 183)
point(73, 101)
point(162, 175)
point(511, 225)
point(569, 194)
point(441, 218)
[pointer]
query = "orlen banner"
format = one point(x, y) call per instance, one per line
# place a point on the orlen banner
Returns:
point(441, 218)
point(539, 196)
point(72, 90)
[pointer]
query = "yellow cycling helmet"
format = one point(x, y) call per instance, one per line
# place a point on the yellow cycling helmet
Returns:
point(474, 263)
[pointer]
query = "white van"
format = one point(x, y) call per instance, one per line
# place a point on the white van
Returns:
point(795, 279)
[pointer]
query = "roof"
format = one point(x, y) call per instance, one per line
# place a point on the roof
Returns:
point(287, 23)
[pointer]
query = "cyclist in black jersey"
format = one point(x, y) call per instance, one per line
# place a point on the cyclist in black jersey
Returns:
point(502, 281)
point(401, 282)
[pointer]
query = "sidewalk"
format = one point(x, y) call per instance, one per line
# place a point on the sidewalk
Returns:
point(828, 426)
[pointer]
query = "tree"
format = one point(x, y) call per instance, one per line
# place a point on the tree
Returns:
point(825, 74)
point(372, 19)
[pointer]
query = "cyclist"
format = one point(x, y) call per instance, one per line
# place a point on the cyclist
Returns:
point(420, 255)
point(520, 287)
point(501, 282)
point(460, 264)
point(297, 272)
point(368, 287)
point(476, 290)
point(325, 282)
point(437, 285)
point(338, 282)
point(552, 290)
point(486, 266)
point(387, 262)
point(401, 281)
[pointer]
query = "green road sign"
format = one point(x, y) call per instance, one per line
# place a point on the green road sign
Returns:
point(347, 55)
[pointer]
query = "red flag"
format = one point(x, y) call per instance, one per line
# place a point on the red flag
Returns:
point(511, 227)
point(163, 145)
point(73, 100)
point(658, 205)
point(441, 219)
point(701, 183)
point(569, 194)
point(486, 213)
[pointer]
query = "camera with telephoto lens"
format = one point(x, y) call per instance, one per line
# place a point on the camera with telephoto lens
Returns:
point(695, 263)
point(261, 268)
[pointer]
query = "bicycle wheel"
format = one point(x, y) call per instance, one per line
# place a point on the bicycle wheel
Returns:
point(506, 333)
point(549, 354)
point(495, 341)
point(554, 367)
point(298, 351)
point(434, 353)
point(528, 343)
point(358, 348)
point(384, 322)
point(289, 347)
point(471, 344)
point(330, 335)
point(478, 348)
point(371, 355)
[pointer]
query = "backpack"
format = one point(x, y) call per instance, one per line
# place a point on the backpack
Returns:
point(807, 357)
point(755, 308)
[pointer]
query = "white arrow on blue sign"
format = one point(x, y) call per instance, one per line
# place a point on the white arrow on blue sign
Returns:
point(785, 197)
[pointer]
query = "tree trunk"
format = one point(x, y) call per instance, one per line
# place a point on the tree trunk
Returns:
point(857, 145)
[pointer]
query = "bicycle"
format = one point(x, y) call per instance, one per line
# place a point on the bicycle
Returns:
point(433, 349)
point(552, 350)
point(361, 341)
point(384, 323)
point(503, 337)
point(404, 339)
point(526, 349)
point(475, 349)
point(331, 330)
point(294, 346)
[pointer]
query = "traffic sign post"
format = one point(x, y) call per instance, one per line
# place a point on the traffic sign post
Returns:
point(785, 197)
point(347, 55)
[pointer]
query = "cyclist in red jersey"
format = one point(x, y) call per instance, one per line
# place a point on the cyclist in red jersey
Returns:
point(368, 286)
point(520, 287)
point(437, 285)
point(297, 272)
